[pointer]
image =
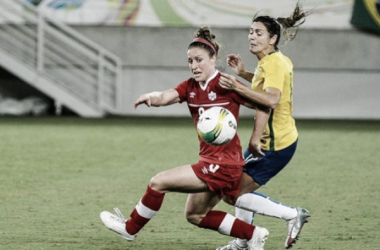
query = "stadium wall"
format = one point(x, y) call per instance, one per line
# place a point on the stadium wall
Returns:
point(337, 72)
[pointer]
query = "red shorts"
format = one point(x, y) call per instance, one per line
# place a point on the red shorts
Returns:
point(221, 179)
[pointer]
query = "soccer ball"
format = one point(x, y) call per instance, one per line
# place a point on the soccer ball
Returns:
point(217, 126)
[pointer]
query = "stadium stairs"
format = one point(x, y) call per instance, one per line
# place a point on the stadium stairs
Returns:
point(52, 57)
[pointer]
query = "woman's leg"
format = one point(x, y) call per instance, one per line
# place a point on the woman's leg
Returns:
point(199, 212)
point(198, 208)
point(180, 179)
point(259, 203)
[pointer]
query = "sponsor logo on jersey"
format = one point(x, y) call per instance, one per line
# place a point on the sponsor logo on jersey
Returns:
point(192, 94)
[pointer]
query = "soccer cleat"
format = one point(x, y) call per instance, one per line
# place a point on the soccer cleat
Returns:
point(116, 222)
point(295, 225)
point(260, 235)
point(232, 245)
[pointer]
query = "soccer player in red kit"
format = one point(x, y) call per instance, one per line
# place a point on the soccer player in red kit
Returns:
point(219, 169)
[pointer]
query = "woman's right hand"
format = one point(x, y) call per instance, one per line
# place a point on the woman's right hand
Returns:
point(143, 99)
point(236, 64)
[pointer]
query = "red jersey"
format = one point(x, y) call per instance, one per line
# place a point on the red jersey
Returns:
point(202, 98)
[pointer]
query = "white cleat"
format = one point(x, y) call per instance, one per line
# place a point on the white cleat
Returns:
point(295, 225)
point(116, 222)
point(232, 245)
point(260, 235)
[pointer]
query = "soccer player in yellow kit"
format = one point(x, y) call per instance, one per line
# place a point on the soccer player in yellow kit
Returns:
point(274, 138)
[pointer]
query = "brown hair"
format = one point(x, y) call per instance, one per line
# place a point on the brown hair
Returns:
point(210, 44)
point(289, 24)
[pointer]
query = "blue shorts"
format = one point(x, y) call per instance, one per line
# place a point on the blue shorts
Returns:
point(264, 168)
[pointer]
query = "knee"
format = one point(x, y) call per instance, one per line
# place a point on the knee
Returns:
point(194, 218)
point(156, 183)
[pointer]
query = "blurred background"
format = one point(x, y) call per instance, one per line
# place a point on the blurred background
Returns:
point(94, 58)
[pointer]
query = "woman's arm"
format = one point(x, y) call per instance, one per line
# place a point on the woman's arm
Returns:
point(261, 120)
point(157, 99)
point(268, 98)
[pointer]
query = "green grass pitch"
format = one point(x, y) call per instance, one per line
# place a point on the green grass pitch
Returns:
point(58, 174)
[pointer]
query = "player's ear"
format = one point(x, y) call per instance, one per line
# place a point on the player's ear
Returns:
point(213, 59)
point(273, 39)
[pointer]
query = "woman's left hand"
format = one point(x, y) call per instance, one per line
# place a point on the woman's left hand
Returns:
point(255, 149)
point(227, 81)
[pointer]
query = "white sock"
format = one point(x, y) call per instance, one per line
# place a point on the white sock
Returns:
point(262, 204)
point(246, 216)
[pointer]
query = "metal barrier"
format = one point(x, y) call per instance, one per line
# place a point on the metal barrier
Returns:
point(61, 56)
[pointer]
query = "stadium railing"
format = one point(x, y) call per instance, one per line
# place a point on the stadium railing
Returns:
point(62, 63)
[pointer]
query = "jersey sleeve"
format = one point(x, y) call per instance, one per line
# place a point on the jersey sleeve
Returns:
point(274, 75)
point(182, 91)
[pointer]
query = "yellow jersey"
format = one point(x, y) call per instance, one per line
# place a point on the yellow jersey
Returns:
point(276, 71)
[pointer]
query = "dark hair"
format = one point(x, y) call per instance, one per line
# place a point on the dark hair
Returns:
point(289, 24)
point(206, 34)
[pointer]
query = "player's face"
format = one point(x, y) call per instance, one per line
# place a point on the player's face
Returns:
point(200, 64)
point(260, 42)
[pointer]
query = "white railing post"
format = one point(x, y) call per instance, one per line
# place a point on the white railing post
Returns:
point(119, 86)
point(100, 78)
point(40, 42)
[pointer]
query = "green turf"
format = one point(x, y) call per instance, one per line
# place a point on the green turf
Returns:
point(58, 174)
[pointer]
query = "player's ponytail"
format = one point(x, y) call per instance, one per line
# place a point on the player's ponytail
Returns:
point(289, 24)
